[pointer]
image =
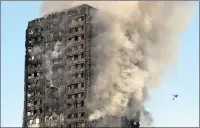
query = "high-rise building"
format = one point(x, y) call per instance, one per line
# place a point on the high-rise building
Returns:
point(57, 69)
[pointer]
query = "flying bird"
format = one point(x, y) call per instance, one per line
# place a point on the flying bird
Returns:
point(175, 96)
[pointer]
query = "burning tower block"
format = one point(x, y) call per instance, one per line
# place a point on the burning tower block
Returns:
point(57, 69)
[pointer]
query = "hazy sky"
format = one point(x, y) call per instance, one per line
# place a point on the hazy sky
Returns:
point(182, 77)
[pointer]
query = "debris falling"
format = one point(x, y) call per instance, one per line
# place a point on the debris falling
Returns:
point(139, 40)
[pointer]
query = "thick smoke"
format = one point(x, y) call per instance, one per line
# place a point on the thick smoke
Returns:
point(139, 40)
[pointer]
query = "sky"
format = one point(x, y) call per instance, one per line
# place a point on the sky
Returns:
point(181, 78)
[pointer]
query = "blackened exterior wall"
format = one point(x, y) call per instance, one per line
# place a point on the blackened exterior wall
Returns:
point(57, 86)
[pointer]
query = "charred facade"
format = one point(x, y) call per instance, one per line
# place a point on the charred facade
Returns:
point(57, 69)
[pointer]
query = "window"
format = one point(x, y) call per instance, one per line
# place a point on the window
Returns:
point(82, 103)
point(29, 104)
point(76, 95)
point(30, 31)
point(69, 116)
point(35, 111)
point(75, 57)
point(75, 86)
point(31, 121)
point(35, 74)
point(75, 115)
point(35, 102)
point(82, 114)
point(76, 29)
point(76, 75)
point(76, 38)
point(72, 58)
point(69, 88)
point(80, 75)
point(60, 34)
point(41, 110)
point(40, 101)
point(29, 49)
point(82, 18)
point(82, 85)
point(28, 113)
point(80, 95)
point(32, 58)
point(82, 37)
point(78, 19)
point(29, 95)
point(82, 65)
point(37, 121)
point(47, 45)
point(79, 85)
point(76, 66)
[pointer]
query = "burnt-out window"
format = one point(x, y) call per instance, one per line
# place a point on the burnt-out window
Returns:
point(82, 37)
point(80, 28)
point(69, 116)
point(69, 96)
point(82, 103)
point(69, 125)
point(35, 111)
point(75, 115)
point(82, 55)
point(82, 46)
point(76, 75)
point(82, 114)
point(76, 38)
point(40, 101)
point(69, 39)
point(76, 95)
point(82, 85)
point(69, 105)
point(35, 74)
point(75, 86)
point(75, 57)
point(76, 29)
point(82, 65)
point(82, 18)
point(41, 110)
point(35, 102)
point(76, 66)
point(70, 87)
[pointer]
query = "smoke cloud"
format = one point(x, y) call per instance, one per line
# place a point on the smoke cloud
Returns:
point(139, 40)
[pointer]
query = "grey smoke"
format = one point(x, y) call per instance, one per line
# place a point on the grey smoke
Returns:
point(139, 40)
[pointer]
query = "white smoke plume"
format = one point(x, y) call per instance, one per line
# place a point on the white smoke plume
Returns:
point(139, 40)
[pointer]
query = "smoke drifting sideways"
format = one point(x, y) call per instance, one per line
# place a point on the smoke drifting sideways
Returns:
point(140, 39)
